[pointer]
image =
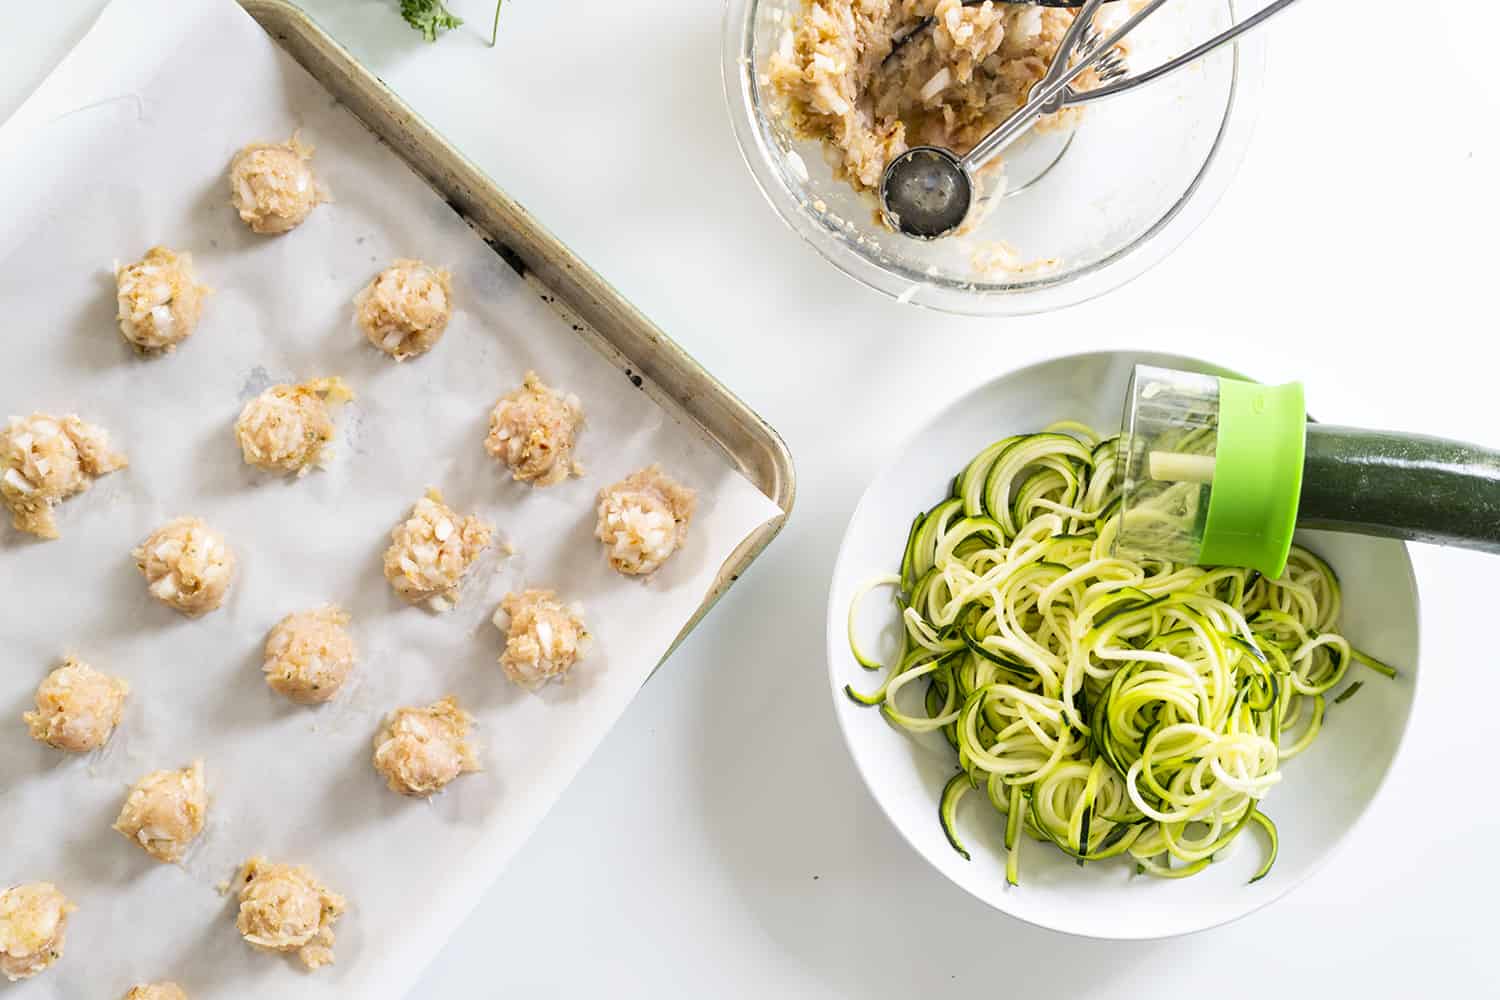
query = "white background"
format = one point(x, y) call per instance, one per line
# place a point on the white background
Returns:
point(719, 844)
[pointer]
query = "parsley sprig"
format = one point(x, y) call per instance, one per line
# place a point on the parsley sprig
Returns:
point(432, 18)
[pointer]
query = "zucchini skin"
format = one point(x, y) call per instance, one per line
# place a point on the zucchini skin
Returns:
point(1405, 486)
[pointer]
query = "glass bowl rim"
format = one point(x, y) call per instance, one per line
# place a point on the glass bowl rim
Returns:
point(947, 295)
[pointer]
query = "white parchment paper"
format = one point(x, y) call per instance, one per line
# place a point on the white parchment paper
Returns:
point(125, 146)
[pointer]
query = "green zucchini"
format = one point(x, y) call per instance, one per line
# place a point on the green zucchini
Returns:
point(1118, 677)
point(1372, 663)
point(1405, 486)
point(1013, 837)
point(908, 554)
point(957, 787)
point(1059, 452)
point(970, 485)
point(1274, 844)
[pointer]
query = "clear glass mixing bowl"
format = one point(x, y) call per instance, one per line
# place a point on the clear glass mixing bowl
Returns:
point(1107, 201)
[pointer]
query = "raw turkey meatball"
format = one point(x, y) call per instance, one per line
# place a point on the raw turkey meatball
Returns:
point(160, 301)
point(45, 460)
point(405, 308)
point(310, 654)
point(287, 428)
point(533, 431)
point(164, 812)
point(285, 908)
point(432, 550)
point(419, 750)
point(157, 991)
point(33, 923)
point(272, 185)
point(77, 707)
point(187, 566)
point(643, 519)
point(543, 639)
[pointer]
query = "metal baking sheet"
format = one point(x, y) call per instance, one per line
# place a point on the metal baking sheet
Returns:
point(593, 308)
point(126, 145)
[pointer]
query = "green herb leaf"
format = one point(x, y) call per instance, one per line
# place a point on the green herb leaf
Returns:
point(429, 17)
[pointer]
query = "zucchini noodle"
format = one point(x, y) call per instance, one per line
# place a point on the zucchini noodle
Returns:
point(1108, 706)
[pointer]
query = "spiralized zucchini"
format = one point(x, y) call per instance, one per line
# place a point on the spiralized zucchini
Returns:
point(1108, 706)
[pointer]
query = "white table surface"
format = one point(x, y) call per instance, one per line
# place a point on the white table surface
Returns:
point(719, 844)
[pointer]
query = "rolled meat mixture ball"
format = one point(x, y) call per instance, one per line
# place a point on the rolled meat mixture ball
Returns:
point(164, 812)
point(405, 308)
point(533, 431)
point(272, 186)
point(77, 707)
point(288, 428)
point(46, 459)
point(309, 655)
point(643, 519)
point(187, 565)
point(432, 550)
point(157, 991)
point(543, 639)
point(419, 750)
point(160, 301)
point(33, 923)
point(284, 908)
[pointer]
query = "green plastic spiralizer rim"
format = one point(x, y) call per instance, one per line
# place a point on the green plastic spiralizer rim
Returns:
point(1258, 456)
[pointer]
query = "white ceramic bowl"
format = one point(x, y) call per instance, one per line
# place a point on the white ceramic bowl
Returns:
point(1325, 790)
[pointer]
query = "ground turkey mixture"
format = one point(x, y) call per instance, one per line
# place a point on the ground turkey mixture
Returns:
point(543, 637)
point(77, 707)
point(643, 519)
point(272, 186)
point(160, 302)
point(405, 308)
point(164, 812)
point(33, 922)
point(533, 430)
point(157, 991)
point(287, 428)
point(432, 550)
point(846, 84)
point(187, 565)
point(419, 750)
point(285, 908)
point(309, 655)
point(45, 460)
